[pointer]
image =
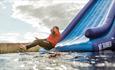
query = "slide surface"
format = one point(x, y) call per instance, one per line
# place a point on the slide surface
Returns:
point(96, 15)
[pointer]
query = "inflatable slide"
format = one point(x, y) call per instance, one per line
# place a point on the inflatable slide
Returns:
point(93, 29)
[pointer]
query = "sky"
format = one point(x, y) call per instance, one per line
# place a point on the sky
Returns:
point(22, 20)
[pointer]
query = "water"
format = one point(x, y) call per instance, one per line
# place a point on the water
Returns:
point(67, 61)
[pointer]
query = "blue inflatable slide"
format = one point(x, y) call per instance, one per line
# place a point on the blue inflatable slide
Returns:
point(93, 29)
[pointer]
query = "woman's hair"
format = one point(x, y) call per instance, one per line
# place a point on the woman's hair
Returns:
point(56, 27)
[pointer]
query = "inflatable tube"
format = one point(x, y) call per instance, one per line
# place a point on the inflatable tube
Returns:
point(107, 41)
point(77, 19)
point(92, 45)
point(103, 30)
point(96, 44)
point(83, 47)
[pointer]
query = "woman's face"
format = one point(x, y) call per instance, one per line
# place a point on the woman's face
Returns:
point(54, 28)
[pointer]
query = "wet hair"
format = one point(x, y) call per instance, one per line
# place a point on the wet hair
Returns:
point(56, 27)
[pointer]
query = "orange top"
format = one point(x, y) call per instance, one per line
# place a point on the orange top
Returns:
point(54, 39)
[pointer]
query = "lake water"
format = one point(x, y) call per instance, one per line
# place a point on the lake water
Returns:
point(104, 60)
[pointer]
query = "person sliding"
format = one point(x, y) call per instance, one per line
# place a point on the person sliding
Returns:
point(47, 43)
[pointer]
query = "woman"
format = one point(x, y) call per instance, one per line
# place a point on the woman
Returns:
point(47, 43)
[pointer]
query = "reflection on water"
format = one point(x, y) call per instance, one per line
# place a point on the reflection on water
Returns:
point(104, 60)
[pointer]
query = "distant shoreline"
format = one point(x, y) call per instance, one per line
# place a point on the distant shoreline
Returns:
point(14, 48)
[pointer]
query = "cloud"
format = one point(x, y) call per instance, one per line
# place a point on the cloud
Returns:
point(42, 15)
point(47, 13)
point(9, 37)
point(29, 36)
point(7, 34)
point(22, 38)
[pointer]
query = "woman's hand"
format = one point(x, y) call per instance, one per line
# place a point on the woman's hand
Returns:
point(36, 38)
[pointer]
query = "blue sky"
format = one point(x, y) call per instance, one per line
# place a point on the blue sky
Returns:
point(10, 24)
point(11, 27)
point(22, 20)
